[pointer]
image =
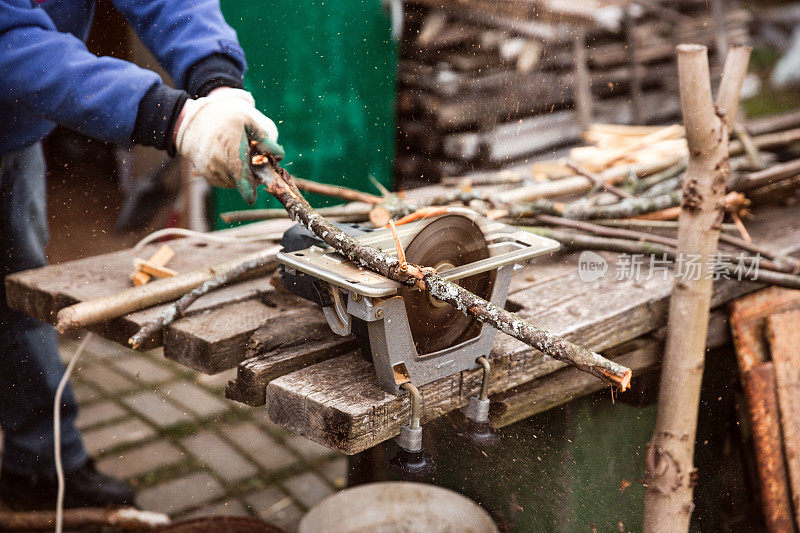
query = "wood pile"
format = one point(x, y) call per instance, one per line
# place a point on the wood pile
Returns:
point(482, 84)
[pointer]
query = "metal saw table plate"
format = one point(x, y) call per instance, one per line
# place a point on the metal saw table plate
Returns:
point(506, 244)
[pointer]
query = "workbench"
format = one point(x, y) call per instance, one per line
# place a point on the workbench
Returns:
point(317, 384)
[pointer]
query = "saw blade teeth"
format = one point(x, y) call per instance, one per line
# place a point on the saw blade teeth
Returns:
point(446, 242)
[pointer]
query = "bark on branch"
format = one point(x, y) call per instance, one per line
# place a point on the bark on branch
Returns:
point(671, 474)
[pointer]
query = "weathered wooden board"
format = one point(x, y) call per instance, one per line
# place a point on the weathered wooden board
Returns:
point(301, 339)
point(42, 292)
point(749, 320)
point(762, 405)
point(784, 343)
point(216, 339)
point(339, 404)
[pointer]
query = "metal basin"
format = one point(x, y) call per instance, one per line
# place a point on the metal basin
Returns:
point(395, 507)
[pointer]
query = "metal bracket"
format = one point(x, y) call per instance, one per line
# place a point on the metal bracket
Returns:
point(336, 315)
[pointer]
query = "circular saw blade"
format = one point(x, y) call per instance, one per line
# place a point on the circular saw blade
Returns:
point(446, 242)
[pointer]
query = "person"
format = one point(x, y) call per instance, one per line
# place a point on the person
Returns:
point(48, 77)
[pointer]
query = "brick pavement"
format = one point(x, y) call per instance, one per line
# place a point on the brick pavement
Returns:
point(188, 451)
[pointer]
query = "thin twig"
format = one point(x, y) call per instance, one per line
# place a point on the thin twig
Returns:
point(177, 308)
point(337, 191)
point(598, 181)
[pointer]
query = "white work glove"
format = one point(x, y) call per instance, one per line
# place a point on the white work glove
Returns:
point(214, 133)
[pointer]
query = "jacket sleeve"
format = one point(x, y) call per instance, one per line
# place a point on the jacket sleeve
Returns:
point(53, 75)
point(190, 39)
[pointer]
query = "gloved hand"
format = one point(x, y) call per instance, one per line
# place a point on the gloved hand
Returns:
point(214, 133)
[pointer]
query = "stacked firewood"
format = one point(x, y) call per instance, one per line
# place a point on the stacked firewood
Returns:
point(482, 84)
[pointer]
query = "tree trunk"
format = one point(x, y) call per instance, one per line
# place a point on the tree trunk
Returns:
point(671, 475)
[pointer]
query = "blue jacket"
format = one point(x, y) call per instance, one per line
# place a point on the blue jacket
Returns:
point(47, 75)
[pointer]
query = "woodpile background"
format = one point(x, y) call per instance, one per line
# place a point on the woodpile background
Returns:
point(484, 84)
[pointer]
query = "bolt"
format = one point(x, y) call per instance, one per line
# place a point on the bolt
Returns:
point(379, 313)
point(356, 297)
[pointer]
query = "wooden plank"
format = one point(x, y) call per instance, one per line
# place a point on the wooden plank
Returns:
point(762, 404)
point(41, 292)
point(784, 342)
point(303, 337)
point(749, 320)
point(339, 404)
point(216, 339)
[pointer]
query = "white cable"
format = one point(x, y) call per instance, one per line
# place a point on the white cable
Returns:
point(166, 232)
point(57, 431)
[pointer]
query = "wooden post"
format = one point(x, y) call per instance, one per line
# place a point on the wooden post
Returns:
point(669, 458)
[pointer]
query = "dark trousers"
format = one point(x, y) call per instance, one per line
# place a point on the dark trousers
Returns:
point(30, 366)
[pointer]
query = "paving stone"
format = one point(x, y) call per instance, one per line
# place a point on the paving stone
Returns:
point(274, 506)
point(196, 399)
point(109, 437)
point(84, 393)
point(287, 518)
point(262, 448)
point(210, 449)
point(156, 409)
point(336, 472)
point(225, 508)
point(141, 460)
point(308, 449)
point(104, 349)
point(178, 495)
point(98, 413)
point(106, 379)
point(307, 488)
point(67, 344)
point(143, 370)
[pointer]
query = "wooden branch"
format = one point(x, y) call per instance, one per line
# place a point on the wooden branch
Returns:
point(337, 191)
point(730, 86)
point(352, 212)
point(750, 148)
point(105, 308)
point(255, 263)
point(598, 181)
point(582, 211)
point(606, 231)
point(279, 184)
point(650, 224)
point(670, 454)
point(126, 519)
point(580, 184)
